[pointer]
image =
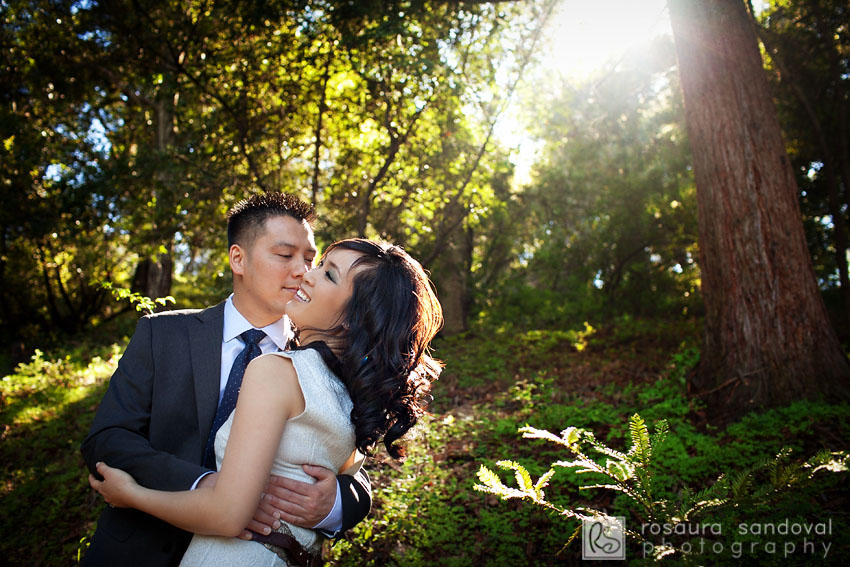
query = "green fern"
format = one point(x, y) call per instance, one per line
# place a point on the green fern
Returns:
point(490, 482)
point(641, 447)
point(633, 473)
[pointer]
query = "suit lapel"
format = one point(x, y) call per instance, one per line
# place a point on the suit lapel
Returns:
point(205, 347)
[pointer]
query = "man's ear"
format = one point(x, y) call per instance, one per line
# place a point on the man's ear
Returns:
point(237, 260)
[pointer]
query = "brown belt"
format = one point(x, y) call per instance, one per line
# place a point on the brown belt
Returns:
point(295, 552)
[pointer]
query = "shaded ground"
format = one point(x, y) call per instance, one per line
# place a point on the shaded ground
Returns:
point(426, 511)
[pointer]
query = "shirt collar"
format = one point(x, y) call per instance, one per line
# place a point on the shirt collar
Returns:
point(235, 324)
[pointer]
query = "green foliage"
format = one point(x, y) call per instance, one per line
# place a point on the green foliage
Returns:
point(425, 511)
point(476, 365)
point(516, 303)
point(611, 208)
point(480, 405)
point(634, 474)
point(546, 341)
point(125, 140)
point(46, 407)
point(142, 302)
point(683, 362)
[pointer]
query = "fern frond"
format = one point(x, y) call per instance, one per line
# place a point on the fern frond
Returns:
point(529, 432)
point(785, 476)
point(831, 461)
point(571, 538)
point(489, 479)
point(660, 435)
point(619, 470)
point(543, 482)
point(772, 466)
point(584, 465)
point(492, 484)
point(643, 482)
point(571, 435)
point(604, 449)
point(703, 505)
point(659, 552)
point(505, 493)
point(685, 505)
point(523, 479)
point(740, 482)
point(633, 475)
point(641, 447)
point(617, 487)
point(717, 490)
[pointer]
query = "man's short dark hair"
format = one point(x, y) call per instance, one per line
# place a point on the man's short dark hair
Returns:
point(246, 219)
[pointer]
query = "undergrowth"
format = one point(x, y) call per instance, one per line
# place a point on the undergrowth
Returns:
point(425, 510)
point(46, 407)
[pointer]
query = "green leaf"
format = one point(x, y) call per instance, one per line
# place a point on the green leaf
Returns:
point(640, 440)
point(489, 479)
point(618, 470)
point(523, 479)
point(543, 482)
point(571, 435)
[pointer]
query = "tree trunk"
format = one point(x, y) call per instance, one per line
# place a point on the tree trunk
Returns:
point(831, 162)
point(153, 276)
point(451, 277)
point(768, 340)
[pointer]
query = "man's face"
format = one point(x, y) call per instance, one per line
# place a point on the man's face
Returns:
point(272, 268)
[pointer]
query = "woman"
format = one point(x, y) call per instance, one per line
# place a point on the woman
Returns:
point(366, 315)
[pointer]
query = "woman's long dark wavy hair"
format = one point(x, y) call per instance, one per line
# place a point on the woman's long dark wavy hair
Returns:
point(383, 343)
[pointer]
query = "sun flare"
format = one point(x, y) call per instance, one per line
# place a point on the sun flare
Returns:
point(586, 35)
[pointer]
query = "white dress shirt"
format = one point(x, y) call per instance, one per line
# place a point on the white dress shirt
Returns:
point(277, 335)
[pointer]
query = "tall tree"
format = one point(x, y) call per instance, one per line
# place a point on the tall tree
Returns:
point(768, 340)
point(809, 59)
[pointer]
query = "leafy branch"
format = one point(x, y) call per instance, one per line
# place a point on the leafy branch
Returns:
point(142, 302)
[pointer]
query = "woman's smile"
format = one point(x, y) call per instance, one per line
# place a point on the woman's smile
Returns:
point(302, 296)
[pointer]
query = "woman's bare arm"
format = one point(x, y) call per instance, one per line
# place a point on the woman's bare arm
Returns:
point(270, 395)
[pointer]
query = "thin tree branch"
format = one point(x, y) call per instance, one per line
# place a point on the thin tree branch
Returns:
point(447, 227)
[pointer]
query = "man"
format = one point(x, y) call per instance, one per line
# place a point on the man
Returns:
point(156, 417)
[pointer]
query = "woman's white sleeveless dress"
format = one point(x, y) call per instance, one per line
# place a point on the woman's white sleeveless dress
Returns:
point(323, 435)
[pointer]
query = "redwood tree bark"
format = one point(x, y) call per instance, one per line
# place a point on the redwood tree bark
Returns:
point(768, 340)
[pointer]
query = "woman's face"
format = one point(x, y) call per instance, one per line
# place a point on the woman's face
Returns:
point(324, 291)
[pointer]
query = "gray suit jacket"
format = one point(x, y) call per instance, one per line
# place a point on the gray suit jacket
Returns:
point(154, 421)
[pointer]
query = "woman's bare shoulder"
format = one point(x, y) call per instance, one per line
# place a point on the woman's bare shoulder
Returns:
point(274, 377)
point(273, 367)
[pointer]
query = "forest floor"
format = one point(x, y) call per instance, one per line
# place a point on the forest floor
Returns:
point(426, 510)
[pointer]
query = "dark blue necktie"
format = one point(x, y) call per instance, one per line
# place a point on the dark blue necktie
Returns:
point(251, 338)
